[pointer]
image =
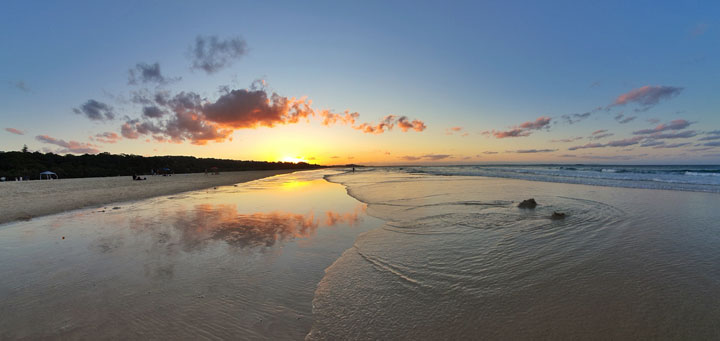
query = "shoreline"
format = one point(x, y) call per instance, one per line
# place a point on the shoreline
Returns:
point(30, 199)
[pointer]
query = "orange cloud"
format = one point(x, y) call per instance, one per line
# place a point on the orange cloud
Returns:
point(198, 120)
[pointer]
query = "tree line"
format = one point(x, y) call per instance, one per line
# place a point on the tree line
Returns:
point(29, 165)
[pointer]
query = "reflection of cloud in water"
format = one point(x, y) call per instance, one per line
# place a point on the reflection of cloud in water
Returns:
point(223, 222)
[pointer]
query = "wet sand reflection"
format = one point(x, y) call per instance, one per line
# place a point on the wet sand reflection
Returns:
point(235, 262)
point(223, 222)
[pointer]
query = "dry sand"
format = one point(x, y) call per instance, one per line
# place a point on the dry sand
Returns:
point(27, 199)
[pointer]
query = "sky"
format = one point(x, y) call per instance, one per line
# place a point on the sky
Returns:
point(366, 82)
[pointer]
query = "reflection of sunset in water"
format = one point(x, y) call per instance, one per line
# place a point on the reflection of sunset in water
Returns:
point(224, 222)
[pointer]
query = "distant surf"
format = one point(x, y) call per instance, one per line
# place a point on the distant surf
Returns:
point(681, 178)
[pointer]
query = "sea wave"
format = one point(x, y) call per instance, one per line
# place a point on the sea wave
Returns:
point(684, 178)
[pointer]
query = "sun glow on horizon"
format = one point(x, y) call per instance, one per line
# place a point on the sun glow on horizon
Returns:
point(296, 159)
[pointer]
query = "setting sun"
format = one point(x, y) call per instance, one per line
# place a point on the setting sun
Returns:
point(296, 159)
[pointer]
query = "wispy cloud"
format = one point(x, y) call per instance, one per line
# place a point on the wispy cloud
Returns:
point(528, 151)
point(524, 129)
point(106, 137)
point(569, 139)
point(622, 119)
point(14, 131)
point(673, 125)
point(69, 146)
point(647, 96)
point(211, 54)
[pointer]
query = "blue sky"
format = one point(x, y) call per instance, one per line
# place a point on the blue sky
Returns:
point(483, 67)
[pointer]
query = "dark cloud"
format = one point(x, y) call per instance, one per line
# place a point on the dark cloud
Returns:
point(14, 131)
point(153, 112)
point(712, 144)
point(96, 111)
point(147, 73)
point(527, 151)
point(622, 119)
point(673, 125)
point(211, 53)
point(524, 129)
point(647, 96)
point(73, 147)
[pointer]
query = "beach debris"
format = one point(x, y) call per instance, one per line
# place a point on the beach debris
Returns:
point(557, 215)
point(116, 208)
point(63, 237)
point(529, 203)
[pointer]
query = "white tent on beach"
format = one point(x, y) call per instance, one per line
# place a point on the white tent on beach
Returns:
point(48, 175)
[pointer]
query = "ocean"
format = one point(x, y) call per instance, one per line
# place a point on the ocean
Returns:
point(683, 178)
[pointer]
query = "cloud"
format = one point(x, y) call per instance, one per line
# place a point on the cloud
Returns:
point(107, 137)
point(431, 157)
point(675, 145)
point(570, 139)
point(524, 129)
point(187, 116)
point(653, 120)
point(488, 153)
point(710, 138)
point(20, 85)
point(388, 122)
point(96, 111)
point(153, 112)
point(574, 118)
point(698, 30)
point(586, 146)
point(652, 143)
point(673, 125)
point(212, 54)
point(680, 135)
point(647, 96)
point(453, 130)
point(147, 73)
point(69, 147)
point(436, 157)
point(624, 142)
point(622, 119)
point(14, 131)
point(616, 143)
point(601, 136)
point(527, 151)
point(712, 144)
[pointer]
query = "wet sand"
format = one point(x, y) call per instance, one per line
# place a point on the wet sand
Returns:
point(228, 263)
point(28, 199)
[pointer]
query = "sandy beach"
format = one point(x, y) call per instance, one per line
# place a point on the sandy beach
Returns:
point(28, 199)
